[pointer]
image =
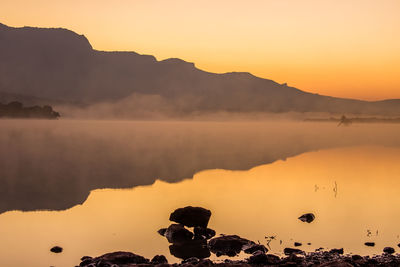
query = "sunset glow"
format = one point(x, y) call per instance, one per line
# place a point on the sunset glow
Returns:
point(346, 48)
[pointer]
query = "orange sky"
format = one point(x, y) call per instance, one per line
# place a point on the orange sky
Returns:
point(348, 48)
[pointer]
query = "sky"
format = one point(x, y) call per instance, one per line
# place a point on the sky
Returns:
point(344, 48)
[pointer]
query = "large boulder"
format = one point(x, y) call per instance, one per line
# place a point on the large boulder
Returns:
point(229, 245)
point(191, 216)
point(260, 258)
point(190, 249)
point(177, 233)
point(118, 258)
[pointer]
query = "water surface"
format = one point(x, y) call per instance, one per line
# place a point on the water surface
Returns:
point(347, 176)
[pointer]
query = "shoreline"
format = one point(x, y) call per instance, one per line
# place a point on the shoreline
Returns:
point(333, 258)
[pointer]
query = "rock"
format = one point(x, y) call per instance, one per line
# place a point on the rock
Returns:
point(337, 263)
point(177, 233)
point(356, 257)
point(337, 250)
point(56, 249)
point(289, 251)
point(369, 244)
point(203, 233)
point(205, 263)
point(388, 250)
point(159, 259)
point(120, 257)
point(253, 247)
point(229, 245)
point(192, 260)
point(191, 216)
point(190, 249)
point(308, 217)
point(297, 244)
point(162, 231)
point(260, 258)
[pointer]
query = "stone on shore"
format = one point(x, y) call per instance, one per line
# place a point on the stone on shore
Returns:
point(289, 251)
point(388, 250)
point(190, 249)
point(251, 248)
point(159, 259)
point(177, 233)
point(191, 216)
point(229, 245)
point(118, 258)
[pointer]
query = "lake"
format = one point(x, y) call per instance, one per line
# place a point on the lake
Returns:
point(93, 187)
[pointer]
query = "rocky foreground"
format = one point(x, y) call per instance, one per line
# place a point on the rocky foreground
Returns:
point(326, 258)
point(194, 246)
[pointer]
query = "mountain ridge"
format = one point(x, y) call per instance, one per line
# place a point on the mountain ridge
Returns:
point(56, 63)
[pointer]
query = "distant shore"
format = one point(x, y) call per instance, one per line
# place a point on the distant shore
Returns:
point(356, 120)
point(16, 110)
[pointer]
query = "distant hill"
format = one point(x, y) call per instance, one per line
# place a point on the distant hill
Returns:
point(17, 110)
point(60, 64)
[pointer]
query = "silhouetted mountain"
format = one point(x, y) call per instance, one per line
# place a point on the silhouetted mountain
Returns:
point(60, 64)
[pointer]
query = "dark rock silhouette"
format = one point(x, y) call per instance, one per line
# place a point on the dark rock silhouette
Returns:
point(308, 217)
point(177, 233)
point(369, 244)
point(229, 245)
point(60, 64)
point(56, 249)
point(388, 250)
point(260, 258)
point(337, 250)
point(190, 249)
point(184, 246)
point(119, 258)
point(252, 247)
point(289, 251)
point(324, 259)
point(17, 110)
point(159, 259)
point(297, 244)
point(191, 216)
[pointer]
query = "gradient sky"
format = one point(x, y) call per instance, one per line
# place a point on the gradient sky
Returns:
point(347, 48)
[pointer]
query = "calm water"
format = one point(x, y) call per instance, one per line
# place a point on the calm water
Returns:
point(256, 178)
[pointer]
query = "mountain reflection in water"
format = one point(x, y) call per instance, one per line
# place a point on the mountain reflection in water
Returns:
point(358, 188)
point(54, 165)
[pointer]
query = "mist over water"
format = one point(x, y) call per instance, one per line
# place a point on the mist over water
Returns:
point(56, 165)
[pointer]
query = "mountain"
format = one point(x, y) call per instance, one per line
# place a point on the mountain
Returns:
point(59, 64)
